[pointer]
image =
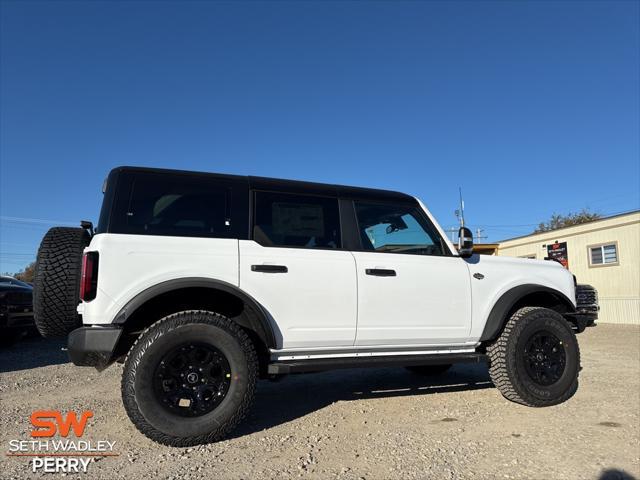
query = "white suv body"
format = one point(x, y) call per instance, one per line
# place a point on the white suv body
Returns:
point(326, 301)
point(202, 283)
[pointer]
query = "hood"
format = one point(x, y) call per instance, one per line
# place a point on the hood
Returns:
point(516, 261)
point(6, 287)
point(509, 272)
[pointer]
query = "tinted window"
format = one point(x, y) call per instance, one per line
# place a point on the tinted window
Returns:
point(288, 220)
point(178, 205)
point(396, 229)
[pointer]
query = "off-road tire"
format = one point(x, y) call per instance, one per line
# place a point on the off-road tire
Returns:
point(507, 358)
point(429, 370)
point(146, 411)
point(56, 284)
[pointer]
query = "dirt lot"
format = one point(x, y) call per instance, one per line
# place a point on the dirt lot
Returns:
point(353, 424)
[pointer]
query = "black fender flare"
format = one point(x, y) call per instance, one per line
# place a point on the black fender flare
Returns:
point(258, 319)
point(498, 316)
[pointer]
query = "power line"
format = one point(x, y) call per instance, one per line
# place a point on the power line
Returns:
point(35, 221)
point(479, 235)
point(512, 225)
point(522, 225)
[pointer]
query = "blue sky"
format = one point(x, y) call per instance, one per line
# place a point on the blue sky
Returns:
point(531, 107)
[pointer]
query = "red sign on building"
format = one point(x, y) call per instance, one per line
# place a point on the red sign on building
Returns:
point(558, 251)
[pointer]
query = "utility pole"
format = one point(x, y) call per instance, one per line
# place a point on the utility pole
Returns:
point(479, 233)
point(460, 212)
point(459, 215)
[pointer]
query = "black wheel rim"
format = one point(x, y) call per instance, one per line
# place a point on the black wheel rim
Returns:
point(192, 379)
point(544, 358)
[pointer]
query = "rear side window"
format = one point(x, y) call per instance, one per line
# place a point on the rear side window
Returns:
point(177, 205)
point(287, 220)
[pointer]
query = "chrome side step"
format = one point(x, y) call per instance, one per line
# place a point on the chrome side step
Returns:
point(368, 351)
point(281, 367)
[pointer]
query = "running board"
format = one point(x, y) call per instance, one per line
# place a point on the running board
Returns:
point(319, 364)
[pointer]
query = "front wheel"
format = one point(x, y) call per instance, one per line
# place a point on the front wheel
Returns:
point(190, 378)
point(536, 359)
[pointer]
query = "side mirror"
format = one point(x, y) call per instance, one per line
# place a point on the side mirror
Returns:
point(465, 242)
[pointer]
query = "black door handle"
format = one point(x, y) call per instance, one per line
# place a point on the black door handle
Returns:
point(269, 268)
point(380, 272)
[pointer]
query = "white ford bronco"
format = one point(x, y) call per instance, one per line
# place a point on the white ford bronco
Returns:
point(201, 284)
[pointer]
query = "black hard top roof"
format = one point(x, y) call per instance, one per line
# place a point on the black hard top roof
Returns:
point(292, 186)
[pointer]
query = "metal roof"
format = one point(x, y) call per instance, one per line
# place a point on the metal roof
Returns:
point(630, 212)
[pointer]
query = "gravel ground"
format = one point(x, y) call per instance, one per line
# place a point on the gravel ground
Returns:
point(357, 424)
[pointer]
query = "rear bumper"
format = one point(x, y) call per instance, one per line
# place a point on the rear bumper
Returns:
point(93, 346)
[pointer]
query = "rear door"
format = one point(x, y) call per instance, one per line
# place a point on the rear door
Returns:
point(295, 267)
point(410, 289)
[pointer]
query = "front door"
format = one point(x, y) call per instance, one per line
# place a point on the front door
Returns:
point(411, 290)
point(295, 269)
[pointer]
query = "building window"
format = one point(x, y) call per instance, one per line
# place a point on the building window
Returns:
point(606, 254)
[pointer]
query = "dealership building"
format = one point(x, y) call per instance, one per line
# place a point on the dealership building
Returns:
point(604, 253)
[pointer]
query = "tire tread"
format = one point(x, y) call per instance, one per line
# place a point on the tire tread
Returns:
point(56, 292)
point(502, 375)
point(148, 337)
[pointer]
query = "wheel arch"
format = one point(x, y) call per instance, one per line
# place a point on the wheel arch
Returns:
point(528, 295)
point(191, 293)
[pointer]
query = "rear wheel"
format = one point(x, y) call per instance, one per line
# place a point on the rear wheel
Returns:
point(190, 378)
point(56, 284)
point(536, 359)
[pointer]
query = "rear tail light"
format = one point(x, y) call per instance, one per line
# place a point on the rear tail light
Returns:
point(89, 279)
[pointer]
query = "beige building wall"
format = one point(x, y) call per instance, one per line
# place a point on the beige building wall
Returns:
point(618, 284)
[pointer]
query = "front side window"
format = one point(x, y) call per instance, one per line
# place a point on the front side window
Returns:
point(604, 254)
point(396, 229)
point(288, 220)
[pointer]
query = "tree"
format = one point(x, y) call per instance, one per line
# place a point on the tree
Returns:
point(27, 274)
point(560, 221)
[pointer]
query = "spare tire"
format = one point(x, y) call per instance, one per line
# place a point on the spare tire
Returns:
point(56, 285)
